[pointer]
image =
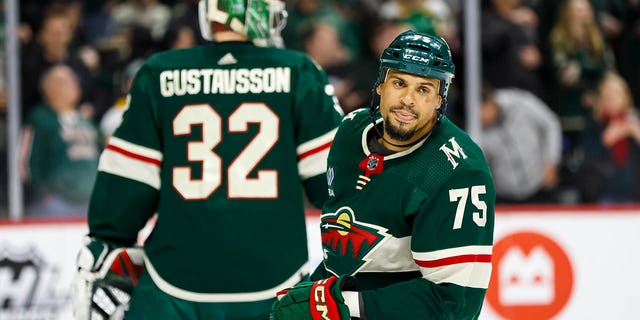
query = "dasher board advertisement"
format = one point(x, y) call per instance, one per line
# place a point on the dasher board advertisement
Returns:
point(548, 263)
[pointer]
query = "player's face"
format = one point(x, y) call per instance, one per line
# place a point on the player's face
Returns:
point(409, 105)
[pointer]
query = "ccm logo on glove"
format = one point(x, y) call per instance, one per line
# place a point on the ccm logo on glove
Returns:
point(324, 304)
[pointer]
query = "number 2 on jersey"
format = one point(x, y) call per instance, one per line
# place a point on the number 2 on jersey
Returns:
point(239, 185)
point(461, 196)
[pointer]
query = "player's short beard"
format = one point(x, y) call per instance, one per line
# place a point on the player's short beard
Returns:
point(396, 132)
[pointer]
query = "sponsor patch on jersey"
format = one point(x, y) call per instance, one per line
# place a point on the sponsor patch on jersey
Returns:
point(347, 242)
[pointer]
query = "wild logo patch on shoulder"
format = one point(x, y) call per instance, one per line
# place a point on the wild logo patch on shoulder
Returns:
point(347, 242)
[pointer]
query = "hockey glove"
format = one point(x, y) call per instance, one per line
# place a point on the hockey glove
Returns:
point(312, 300)
point(105, 279)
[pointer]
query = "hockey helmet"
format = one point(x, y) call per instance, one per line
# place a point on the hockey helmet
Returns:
point(419, 54)
point(259, 20)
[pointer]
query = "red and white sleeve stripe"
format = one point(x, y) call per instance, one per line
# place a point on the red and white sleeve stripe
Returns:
point(468, 266)
point(312, 155)
point(132, 161)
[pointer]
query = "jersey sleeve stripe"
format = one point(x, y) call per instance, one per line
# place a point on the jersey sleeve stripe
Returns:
point(134, 155)
point(454, 260)
point(313, 165)
point(452, 252)
point(315, 145)
point(470, 274)
point(141, 151)
point(124, 165)
point(314, 151)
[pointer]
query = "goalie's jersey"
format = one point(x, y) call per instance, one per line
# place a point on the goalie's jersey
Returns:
point(415, 227)
point(219, 140)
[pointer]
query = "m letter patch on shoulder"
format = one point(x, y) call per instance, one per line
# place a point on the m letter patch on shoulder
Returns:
point(453, 153)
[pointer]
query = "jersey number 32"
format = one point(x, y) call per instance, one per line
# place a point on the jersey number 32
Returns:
point(264, 186)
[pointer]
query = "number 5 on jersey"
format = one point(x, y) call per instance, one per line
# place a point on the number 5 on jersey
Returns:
point(461, 196)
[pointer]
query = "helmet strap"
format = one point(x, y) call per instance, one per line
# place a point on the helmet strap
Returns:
point(442, 110)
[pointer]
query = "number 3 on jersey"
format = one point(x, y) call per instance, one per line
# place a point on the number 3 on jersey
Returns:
point(461, 196)
point(264, 186)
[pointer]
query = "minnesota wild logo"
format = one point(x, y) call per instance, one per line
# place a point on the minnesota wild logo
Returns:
point(346, 242)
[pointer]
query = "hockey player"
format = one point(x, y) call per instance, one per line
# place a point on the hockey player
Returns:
point(220, 140)
point(408, 230)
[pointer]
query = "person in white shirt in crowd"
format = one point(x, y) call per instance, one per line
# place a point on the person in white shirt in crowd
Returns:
point(521, 138)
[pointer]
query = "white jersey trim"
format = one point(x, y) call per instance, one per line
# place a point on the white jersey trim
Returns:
point(223, 297)
point(468, 266)
point(313, 165)
point(367, 151)
point(468, 274)
point(452, 252)
point(313, 154)
point(124, 166)
point(316, 142)
point(394, 255)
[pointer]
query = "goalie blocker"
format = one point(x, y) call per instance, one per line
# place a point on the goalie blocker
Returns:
point(105, 280)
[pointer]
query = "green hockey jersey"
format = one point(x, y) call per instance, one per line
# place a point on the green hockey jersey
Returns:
point(62, 151)
point(415, 228)
point(220, 141)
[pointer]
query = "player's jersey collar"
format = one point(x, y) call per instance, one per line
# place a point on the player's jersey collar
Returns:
point(365, 146)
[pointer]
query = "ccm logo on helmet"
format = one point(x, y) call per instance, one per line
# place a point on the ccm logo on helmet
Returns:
point(415, 58)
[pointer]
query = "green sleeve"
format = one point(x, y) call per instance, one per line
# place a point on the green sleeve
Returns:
point(316, 114)
point(121, 205)
point(316, 110)
point(423, 300)
point(320, 273)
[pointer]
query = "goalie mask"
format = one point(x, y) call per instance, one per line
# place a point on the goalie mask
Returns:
point(259, 20)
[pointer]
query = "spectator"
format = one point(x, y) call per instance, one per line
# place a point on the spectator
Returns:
point(629, 51)
point(427, 16)
point(611, 142)
point(186, 13)
point(580, 56)
point(303, 14)
point(112, 118)
point(510, 56)
point(322, 44)
point(150, 14)
point(60, 149)
point(178, 36)
point(98, 23)
point(521, 139)
point(53, 46)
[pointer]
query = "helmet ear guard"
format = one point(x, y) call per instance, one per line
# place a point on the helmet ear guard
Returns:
point(259, 20)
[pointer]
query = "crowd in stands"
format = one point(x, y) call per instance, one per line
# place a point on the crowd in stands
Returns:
point(561, 79)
